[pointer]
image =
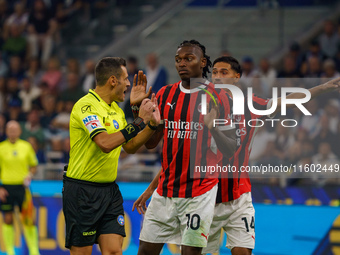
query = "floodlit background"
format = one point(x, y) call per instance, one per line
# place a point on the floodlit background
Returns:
point(47, 63)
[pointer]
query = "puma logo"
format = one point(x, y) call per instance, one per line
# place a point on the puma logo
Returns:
point(171, 105)
point(205, 236)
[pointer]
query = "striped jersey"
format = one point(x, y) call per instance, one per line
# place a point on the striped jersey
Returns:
point(235, 184)
point(186, 140)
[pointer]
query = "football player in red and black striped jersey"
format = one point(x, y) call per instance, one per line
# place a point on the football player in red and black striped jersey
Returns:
point(234, 211)
point(181, 208)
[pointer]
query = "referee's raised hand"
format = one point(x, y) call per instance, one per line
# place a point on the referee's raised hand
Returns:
point(138, 90)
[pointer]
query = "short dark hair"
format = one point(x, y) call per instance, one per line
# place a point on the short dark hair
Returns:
point(235, 65)
point(202, 47)
point(107, 67)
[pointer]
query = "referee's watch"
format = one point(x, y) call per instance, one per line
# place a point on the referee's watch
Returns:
point(139, 122)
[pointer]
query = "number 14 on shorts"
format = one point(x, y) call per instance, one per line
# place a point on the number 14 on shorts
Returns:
point(252, 223)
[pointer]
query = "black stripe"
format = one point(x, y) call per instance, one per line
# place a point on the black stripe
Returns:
point(219, 193)
point(94, 96)
point(179, 159)
point(96, 131)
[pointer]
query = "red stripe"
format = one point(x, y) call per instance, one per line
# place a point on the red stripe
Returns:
point(260, 100)
point(175, 146)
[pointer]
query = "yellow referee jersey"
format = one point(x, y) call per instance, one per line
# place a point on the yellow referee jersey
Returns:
point(15, 161)
point(90, 116)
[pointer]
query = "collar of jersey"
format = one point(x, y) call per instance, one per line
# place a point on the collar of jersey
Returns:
point(93, 93)
point(197, 89)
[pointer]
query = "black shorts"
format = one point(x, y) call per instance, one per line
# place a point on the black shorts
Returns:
point(16, 196)
point(91, 209)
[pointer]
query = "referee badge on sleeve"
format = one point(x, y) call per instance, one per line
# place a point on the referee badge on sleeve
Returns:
point(121, 220)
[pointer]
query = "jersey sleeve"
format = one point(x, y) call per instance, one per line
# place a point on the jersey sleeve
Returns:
point(32, 157)
point(160, 101)
point(87, 117)
point(261, 104)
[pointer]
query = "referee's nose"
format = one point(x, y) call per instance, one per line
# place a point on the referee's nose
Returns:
point(128, 84)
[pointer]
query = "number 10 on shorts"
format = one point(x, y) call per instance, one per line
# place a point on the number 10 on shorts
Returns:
point(194, 221)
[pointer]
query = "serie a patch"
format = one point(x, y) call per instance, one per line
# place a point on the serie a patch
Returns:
point(121, 220)
point(115, 124)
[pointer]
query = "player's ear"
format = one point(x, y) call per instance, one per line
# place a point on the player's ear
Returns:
point(203, 62)
point(237, 78)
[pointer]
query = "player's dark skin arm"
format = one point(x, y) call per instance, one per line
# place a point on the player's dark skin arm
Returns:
point(225, 140)
point(315, 92)
point(140, 203)
point(156, 138)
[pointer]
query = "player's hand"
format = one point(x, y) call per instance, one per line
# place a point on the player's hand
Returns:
point(138, 90)
point(3, 195)
point(332, 84)
point(140, 203)
point(211, 116)
point(156, 115)
point(146, 110)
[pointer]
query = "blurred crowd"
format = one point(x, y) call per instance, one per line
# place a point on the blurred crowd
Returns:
point(315, 140)
point(39, 89)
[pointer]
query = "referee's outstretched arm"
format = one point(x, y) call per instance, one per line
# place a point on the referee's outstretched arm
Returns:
point(135, 134)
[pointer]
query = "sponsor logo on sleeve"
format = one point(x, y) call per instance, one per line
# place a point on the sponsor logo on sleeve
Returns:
point(92, 122)
point(86, 108)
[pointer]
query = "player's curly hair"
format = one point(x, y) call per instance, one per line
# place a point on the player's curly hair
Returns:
point(202, 47)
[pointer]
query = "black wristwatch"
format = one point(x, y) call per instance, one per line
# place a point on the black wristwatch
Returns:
point(152, 127)
point(139, 122)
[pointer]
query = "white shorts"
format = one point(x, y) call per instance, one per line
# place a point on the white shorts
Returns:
point(237, 219)
point(181, 221)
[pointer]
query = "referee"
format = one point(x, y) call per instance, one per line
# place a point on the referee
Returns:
point(92, 202)
point(17, 165)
